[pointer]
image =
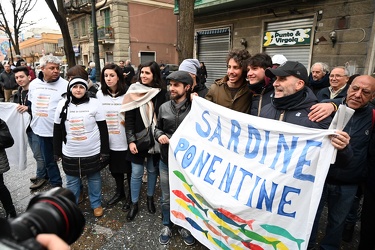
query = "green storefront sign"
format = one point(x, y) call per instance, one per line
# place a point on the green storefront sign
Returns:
point(287, 37)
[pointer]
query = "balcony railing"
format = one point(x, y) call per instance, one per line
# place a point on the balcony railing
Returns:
point(105, 33)
point(76, 3)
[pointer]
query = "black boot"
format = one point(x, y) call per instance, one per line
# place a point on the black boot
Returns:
point(151, 205)
point(126, 206)
point(11, 214)
point(116, 198)
point(133, 212)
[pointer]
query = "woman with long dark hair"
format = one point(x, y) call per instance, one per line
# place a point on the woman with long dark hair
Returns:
point(143, 100)
point(111, 95)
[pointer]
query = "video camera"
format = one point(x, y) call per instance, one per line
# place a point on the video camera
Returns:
point(53, 212)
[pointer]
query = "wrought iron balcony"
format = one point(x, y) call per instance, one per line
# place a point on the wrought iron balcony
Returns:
point(105, 33)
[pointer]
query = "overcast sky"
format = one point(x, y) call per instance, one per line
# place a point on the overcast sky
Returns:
point(40, 14)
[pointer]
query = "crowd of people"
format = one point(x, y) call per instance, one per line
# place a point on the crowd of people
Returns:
point(89, 125)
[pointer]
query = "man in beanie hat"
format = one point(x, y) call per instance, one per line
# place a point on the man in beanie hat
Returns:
point(80, 139)
point(292, 100)
point(192, 66)
point(231, 91)
point(171, 114)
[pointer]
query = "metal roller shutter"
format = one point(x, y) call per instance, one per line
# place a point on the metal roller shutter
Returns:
point(213, 46)
point(299, 53)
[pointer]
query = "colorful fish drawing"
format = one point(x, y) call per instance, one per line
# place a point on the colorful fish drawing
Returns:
point(196, 212)
point(230, 234)
point(228, 220)
point(178, 214)
point(196, 226)
point(280, 245)
point(220, 221)
point(282, 232)
point(228, 214)
point(182, 177)
point(252, 246)
point(235, 247)
point(215, 231)
point(219, 243)
point(203, 201)
point(257, 237)
point(182, 196)
point(197, 203)
point(182, 204)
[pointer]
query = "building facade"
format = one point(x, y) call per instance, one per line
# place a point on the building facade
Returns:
point(331, 31)
point(140, 30)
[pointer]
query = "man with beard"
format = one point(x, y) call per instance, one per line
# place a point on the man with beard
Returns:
point(171, 114)
point(231, 91)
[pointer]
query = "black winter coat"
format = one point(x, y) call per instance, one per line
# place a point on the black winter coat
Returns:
point(134, 124)
point(169, 119)
point(6, 141)
point(296, 112)
point(325, 94)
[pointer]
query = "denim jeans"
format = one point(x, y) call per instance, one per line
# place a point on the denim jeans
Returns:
point(41, 171)
point(136, 179)
point(339, 201)
point(165, 195)
point(46, 146)
point(94, 182)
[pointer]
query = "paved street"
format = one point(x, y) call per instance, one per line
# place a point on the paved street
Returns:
point(111, 231)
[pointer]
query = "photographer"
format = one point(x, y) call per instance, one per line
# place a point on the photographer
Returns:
point(6, 141)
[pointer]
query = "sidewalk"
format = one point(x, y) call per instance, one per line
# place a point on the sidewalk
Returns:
point(112, 231)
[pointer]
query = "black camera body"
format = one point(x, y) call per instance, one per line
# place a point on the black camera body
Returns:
point(52, 212)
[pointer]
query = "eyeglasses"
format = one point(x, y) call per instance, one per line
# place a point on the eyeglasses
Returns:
point(337, 76)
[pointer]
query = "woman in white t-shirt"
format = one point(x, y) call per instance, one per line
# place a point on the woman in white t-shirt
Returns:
point(111, 95)
point(80, 138)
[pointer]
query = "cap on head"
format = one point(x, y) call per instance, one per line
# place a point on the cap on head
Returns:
point(76, 81)
point(279, 59)
point(181, 76)
point(289, 68)
point(18, 56)
point(190, 65)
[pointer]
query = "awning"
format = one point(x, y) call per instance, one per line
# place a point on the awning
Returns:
point(213, 32)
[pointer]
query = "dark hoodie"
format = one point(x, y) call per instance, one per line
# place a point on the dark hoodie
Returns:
point(294, 109)
point(262, 93)
point(320, 84)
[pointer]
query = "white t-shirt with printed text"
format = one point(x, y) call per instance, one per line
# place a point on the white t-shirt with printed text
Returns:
point(116, 126)
point(82, 131)
point(44, 98)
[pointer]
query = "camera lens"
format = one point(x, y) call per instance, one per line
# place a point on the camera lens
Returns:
point(53, 212)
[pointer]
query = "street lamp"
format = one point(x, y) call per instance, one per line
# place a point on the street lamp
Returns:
point(95, 37)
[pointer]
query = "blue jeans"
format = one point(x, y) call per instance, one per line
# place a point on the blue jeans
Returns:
point(165, 195)
point(46, 146)
point(94, 181)
point(339, 200)
point(41, 170)
point(136, 179)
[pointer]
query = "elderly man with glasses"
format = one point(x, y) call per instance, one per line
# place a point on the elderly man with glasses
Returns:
point(338, 85)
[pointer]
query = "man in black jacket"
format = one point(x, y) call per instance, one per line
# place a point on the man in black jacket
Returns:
point(170, 116)
point(292, 100)
point(7, 82)
point(343, 179)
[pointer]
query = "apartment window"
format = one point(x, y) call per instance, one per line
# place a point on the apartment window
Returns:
point(107, 18)
point(83, 26)
point(75, 29)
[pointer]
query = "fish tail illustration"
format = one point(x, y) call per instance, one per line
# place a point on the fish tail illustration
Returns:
point(299, 242)
point(274, 244)
point(250, 223)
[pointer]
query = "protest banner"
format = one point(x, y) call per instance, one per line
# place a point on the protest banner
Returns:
point(243, 182)
point(17, 123)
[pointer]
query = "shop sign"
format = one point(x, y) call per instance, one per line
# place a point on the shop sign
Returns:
point(287, 37)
